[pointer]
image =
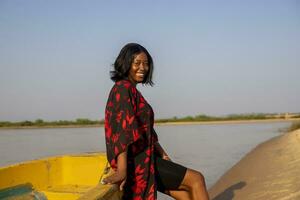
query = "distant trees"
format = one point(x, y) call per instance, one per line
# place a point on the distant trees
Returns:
point(42, 123)
point(39, 121)
point(83, 121)
point(200, 117)
point(5, 124)
point(205, 118)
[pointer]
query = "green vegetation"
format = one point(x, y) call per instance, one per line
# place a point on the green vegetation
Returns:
point(197, 118)
point(42, 123)
point(206, 118)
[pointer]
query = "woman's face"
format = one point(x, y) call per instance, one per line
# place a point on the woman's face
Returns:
point(139, 68)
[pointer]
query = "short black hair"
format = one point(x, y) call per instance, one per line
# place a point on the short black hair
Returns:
point(124, 61)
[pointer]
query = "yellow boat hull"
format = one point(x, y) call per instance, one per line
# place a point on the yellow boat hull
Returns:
point(67, 177)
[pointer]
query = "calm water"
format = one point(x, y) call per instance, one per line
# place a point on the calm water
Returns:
point(211, 149)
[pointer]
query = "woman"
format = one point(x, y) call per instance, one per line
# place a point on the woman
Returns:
point(140, 164)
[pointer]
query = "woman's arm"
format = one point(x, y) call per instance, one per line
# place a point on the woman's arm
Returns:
point(161, 151)
point(120, 175)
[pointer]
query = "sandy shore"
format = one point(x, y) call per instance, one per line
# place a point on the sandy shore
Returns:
point(269, 172)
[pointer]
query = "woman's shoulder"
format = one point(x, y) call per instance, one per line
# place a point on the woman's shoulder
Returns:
point(124, 83)
point(124, 86)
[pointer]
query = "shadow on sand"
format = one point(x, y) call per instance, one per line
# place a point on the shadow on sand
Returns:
point(228, 194)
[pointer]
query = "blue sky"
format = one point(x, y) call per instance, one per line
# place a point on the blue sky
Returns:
point(211, 57)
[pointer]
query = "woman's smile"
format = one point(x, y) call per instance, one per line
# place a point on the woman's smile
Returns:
point(140, 74)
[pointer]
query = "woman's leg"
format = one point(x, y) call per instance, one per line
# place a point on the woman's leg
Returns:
point(192, 187)
point(180, 182)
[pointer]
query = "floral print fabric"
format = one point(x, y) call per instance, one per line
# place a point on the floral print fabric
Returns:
point(129, 123)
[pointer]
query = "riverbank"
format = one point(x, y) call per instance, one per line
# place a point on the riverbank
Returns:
point(162, 123)
point(270, 171)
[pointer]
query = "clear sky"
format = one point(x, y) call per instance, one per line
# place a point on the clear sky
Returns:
point(211, 57)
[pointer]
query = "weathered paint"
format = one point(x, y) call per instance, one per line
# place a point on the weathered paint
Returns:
point(23, 191)
point(65, 177)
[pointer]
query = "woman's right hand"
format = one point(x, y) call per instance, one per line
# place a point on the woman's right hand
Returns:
point(116, 177)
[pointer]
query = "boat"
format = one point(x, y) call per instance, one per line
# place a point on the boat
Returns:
point(66, 177)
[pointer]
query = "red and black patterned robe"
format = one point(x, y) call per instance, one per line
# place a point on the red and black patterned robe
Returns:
point(129, 123)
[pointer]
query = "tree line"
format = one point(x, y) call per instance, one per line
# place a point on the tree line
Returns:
point(41, 123)
point(197, 118)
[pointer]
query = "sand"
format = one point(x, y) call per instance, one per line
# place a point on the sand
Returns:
point(271, 171)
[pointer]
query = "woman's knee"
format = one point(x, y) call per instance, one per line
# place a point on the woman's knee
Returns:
point(200, 180)
point(196, 179)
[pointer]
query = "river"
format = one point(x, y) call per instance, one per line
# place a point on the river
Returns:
point(211, 149)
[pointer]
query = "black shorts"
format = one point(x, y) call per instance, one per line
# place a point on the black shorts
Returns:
point(169, 175)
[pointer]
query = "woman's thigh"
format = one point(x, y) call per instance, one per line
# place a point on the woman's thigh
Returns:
point(169, 175)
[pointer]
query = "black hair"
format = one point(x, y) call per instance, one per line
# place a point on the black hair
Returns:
point(124, 61)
